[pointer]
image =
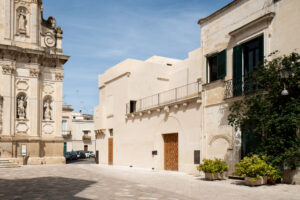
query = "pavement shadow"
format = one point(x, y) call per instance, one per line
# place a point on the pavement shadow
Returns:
point(43, 188)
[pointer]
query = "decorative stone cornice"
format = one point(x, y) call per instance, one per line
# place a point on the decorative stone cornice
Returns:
point(59, 76)
point(34, 73)
point(8, 69)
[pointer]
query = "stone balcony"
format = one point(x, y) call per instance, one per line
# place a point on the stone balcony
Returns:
point(163, 100)
point(86, 138)
point(66, 134)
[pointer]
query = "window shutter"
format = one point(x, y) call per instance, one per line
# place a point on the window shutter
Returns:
point(237, 70)
point(261, 49)
point(221, 62)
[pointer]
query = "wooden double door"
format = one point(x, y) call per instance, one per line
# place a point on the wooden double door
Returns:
point(171, 151)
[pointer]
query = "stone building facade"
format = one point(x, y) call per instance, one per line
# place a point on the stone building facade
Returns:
point(77, 130)
point(159, 126)
point(31, 80)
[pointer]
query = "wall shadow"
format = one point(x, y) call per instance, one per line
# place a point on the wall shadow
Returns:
point(42, 188)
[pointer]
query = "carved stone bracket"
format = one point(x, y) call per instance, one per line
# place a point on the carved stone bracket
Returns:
point(59, 76)
point(8, 69)
point(34, 73)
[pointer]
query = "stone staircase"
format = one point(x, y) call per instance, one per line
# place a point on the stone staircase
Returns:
point(4, 163)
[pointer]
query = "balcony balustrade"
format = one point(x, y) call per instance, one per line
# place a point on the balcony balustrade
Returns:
point(66, 134)
point(239, 87)
point(182, 93)
point(86, 137)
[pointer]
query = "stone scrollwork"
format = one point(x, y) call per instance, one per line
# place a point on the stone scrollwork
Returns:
point(59, 76)
point(34, 73)
point(49, 40)
point(8, 69)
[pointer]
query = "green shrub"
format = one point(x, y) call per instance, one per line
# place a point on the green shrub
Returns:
point(255, 167)
point(213, 166)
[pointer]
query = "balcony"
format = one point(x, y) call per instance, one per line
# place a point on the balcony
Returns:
point(66, 134)
point(239, 87)
point(173, 96)
point(86, 137)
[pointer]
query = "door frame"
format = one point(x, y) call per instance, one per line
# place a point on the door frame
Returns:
point(177, 137)
point(110, 151)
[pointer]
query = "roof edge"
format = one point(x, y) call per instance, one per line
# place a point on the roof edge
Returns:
point(205, 19)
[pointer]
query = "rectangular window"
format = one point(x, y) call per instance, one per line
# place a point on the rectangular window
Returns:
point(64, 125)
point(111, 132)
point(216, 66)
point(132, 106)
point(197, 157)
point(246, 57)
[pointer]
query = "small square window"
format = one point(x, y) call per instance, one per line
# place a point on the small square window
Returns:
point(111, 132)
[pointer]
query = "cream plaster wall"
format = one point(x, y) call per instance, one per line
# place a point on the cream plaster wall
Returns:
point(135, 138)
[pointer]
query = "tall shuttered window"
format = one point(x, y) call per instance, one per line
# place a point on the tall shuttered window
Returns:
point(246, 57)
point(216, 66)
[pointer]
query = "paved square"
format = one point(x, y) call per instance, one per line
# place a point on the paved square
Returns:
point(91, 181)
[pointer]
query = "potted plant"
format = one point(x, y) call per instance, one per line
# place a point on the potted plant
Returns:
point(255, 170)
point(213, 169)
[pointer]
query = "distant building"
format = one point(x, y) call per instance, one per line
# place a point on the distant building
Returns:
point(31, 80)
point(77, 130)
point(169, 114)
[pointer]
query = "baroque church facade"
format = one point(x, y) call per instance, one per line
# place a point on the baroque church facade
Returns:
point(31, 81)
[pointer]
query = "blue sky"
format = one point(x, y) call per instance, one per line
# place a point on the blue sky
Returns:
point(99, 34)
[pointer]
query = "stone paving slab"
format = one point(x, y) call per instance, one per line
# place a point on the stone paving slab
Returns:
point(91, 181)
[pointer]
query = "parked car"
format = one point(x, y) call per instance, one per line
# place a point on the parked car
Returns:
point(68, 155)
point(73, 155)
point(80, 154)
point(89, 154)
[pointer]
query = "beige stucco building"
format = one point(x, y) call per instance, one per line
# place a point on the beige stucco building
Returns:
point(31, 81)
point(77, 130)
point(163, 113)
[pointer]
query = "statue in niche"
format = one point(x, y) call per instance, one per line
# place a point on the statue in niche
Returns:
point(47, 110)
point(21, 110)
point(22, 19)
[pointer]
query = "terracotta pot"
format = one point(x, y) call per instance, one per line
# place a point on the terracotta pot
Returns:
point(260, 181)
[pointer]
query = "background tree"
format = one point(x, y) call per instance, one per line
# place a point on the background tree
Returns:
point(272, 116)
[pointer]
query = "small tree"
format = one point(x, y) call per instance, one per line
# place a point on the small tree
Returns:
point(274, 118)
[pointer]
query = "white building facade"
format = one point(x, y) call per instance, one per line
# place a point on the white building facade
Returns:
point(31, 81)
point(170, 114)
point(77, 130)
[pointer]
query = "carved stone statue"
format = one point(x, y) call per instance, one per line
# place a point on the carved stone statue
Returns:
point(47, 110)
point(21, 107)
point(22, 21)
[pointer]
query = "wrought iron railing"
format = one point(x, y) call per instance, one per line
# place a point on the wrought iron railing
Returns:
point(174, 95)
point(239, 87)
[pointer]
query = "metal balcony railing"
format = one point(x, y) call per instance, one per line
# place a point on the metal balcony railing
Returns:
point(239, 87)
point(66, 134)
point(181, 93)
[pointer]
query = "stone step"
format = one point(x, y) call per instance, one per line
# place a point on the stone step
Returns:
point(4, 163)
